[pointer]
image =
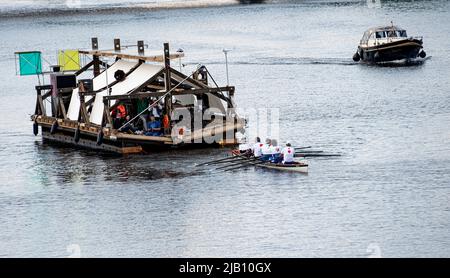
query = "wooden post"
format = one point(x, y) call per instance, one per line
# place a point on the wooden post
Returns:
point(201, 75)
point(83, 112)
point(106, 112)
point(141, 48)
point(117, 45)
point(231, 91)
point(96, 60)
point(168, 85)
point(62, 109)
point(40, 108)
point(96, 65)
point(94, 43)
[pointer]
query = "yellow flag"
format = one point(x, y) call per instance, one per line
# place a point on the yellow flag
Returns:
point(69, 60)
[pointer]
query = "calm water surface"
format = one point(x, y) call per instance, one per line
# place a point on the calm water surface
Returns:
point(387, 195)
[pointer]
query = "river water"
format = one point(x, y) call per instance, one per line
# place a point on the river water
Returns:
point(388, 195)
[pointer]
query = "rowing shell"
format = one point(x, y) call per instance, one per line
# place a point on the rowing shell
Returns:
point(295, 167)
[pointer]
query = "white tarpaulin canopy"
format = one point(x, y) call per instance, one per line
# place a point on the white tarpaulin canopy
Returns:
point(99, 82)
point(135, 79)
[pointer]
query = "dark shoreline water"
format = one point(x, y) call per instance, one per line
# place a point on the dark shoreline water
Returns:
point(72, 8)
point(67, 8)
point(390, 189)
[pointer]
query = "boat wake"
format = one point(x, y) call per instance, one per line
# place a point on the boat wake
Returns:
point(302, 61)
point(272, 61)
point(404, 62)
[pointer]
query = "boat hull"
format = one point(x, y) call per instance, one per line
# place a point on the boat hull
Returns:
point(286, 167)
point(399, 50)
point(296, 167)
point(119, 143)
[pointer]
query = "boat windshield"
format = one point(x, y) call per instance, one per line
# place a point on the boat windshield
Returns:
point(392, 34)
point(401, 33)
point(365, 37)
point(380, 34)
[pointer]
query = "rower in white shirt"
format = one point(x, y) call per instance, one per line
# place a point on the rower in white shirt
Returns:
point(266, 149)
point(243, 148)
point(275, 152)
point(274, 148)
point(257, 147)
point(288, 154)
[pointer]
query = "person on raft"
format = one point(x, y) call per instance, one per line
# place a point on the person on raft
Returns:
point(154, 127)
point(128, 127)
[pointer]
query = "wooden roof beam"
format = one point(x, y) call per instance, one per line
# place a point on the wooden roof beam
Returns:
point(175, 93)
point(150, 58)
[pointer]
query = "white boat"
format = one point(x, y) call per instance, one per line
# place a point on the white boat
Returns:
point(300, 167)
point(296, 167)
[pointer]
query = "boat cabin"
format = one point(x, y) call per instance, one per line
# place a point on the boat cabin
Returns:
point(382, 35)
point(387, 44)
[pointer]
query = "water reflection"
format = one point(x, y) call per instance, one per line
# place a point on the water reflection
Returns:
point(390, 187)
point(71, 165)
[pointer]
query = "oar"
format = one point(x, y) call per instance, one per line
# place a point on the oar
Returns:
point(315, 155)
point(248, 164)
point(309, 152)
point(244, 161)
point(236, 158)
point(216, 161)
point(302, 148)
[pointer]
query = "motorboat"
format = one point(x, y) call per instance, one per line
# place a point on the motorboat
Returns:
point(388, 43)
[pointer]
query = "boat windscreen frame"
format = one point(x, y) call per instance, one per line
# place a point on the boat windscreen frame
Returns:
point(365, 37)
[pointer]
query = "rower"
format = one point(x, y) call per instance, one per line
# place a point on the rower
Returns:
point(257, 147)
point(275, 149)
point(267, 150)
point(288, 154)
point(276, 152)
point(244, 148)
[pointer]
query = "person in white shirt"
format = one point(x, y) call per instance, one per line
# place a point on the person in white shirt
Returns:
point(266, 148)
point(275, 152)
point(267, 151)
point(243, 148)
point(157, 110)
point(288, 154)
point(274, 148)
point(257, 147)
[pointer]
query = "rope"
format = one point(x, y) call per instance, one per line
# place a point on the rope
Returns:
point(215, 83)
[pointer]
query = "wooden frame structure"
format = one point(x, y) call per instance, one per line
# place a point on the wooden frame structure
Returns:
point(167, 83)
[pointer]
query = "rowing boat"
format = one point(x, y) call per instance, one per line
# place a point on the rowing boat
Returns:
point(294, 167)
